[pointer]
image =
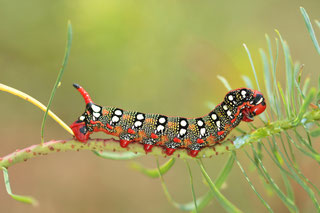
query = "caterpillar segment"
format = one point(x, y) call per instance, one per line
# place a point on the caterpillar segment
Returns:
point(170, 133)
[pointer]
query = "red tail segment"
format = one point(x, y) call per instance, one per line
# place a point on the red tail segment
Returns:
point(84, 93)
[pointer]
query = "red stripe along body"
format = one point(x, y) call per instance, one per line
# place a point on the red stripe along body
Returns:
point(171, 133)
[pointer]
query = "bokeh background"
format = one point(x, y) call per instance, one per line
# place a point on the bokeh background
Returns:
point(144, 55)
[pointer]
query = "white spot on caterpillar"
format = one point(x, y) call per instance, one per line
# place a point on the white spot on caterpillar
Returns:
point(243, 93)
point(96, 114)
point(183, 123)
point(230, 97)
point(95, 108)
point(203, 131)
point(162, 120)
point(82, 118)
point(183, 131)
point(115, 119)
point(118, 112)
point(137, 123)
point(225, 107)
point(140, 117)
point(229, 113)
point(214, 116)
point(200, 123)
point(218, 124)
point(160, 128)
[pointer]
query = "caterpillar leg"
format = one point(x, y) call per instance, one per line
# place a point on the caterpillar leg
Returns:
point(126, 138)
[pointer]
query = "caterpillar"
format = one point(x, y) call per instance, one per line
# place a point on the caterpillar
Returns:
point(170, 133)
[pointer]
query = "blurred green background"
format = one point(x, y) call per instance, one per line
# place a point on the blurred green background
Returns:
point(144, 55)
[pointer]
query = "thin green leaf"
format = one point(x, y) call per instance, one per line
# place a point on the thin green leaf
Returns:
point(302, 183)
point(203, 201)
point(283, 98)
point(20, 198)
point(297, 82)
point(182, 207)
point(267, 79)
point(286, 200)
point(296, 167)
point(289, 74)
point(117, 156)
point(305, 105)
point(252, 66)
point(306, 84)
point(64, 64)
point(318, 23)
point(273, 64)
point(227, 205)
point(218, 182)
point(224, 82)
point(247, 81)
point(153, 173)
point(255, 191)
point(310, 28)
point(192, 188)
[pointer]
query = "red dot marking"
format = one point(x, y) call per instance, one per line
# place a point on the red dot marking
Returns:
point(131, 131)
point(51, 148)
point(170, 151)
point(194, 153)
point(109, 126)
point(177, 140)
point(28, 150)
point(72, 146)
point(220, 133)
point(227, 148)
point(199, 140)
point(154, 136)
point(148, 147)
point(124, 143)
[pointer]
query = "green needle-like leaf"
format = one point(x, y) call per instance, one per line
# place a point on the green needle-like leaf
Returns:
point(225, 82)
point(305, 105)
point(310, 29)
point(253, 188)
point(58, 81)
point(153, 173)
point(252, 66)
point(192, 188)
point(205, 200)
point(20, 198)
point(118, 156)
point(286, 200)
point(227, 205)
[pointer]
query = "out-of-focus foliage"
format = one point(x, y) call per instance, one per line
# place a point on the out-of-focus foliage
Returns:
point(141, 55)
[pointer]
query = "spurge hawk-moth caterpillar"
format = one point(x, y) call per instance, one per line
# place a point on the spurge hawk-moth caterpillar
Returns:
point(170, 133)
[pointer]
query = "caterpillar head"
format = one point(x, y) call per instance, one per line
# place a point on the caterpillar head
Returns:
point(250, 102)
point(80, 127)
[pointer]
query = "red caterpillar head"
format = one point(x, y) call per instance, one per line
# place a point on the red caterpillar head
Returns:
point(254, 107)
point(80, 127)
point(250, 102)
